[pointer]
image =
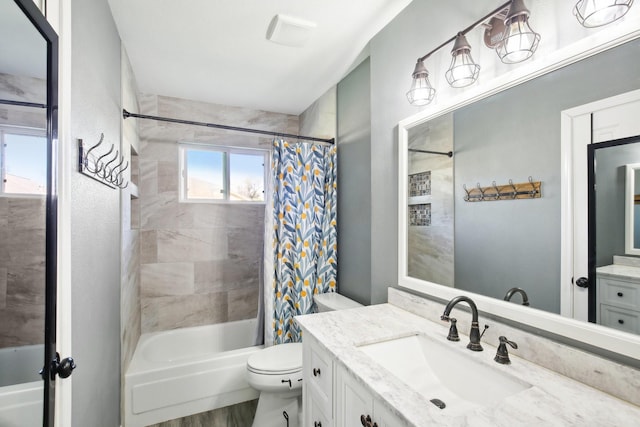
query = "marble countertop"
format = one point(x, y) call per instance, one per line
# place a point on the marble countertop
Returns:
point(552, 399)
point(619, 271)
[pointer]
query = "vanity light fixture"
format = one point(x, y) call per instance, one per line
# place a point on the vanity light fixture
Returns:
point(519, 41)
point(596, 13)
point(462, 71)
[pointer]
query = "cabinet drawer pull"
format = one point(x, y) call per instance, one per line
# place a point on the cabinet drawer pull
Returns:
point(366, 421)
point(621, 321)
point(317, 424)
point(316, 372)
point(620, 294)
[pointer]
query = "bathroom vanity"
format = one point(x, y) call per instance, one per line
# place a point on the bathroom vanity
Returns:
point(618, 288)
point(395, 367)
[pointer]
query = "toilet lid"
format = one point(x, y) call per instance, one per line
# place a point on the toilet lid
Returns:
point(278, 359)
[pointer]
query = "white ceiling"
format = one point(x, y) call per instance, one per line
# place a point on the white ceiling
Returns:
point(216, 50)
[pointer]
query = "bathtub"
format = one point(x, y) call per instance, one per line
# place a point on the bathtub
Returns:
point(21, 387)
point(182, 372)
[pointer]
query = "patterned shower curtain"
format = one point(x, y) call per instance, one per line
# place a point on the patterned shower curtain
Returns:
point(304, 231)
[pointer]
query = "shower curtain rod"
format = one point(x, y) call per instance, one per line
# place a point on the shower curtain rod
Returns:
point(22, 103)
point(448, 154)
point(126, 114)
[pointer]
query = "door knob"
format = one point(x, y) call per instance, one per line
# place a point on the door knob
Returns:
point(63, 368)
point(582, 282)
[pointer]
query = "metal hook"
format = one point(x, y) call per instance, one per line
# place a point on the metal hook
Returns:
point(85, 160)
point(113, 176)
point(481, 191)
point(105, 171)
point(533, 191)
point(495, 187)
point(468, 196)
point(119, 179)
point(100, 167)
point(515, 190)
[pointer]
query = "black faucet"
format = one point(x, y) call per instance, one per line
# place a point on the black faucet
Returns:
point(474, 333)
point(502, 355)
point(510, 292)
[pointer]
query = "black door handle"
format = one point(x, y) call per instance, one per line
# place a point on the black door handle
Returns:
point(582, 282)
point(63, 368)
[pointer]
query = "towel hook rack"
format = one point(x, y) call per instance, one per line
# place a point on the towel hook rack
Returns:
point(528, 190)
point(98, 166)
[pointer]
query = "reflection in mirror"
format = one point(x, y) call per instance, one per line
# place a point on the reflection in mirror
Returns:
point(615, 166)
point(430, 201)
point(23, 187)
point(632, 209)
point(493, 246)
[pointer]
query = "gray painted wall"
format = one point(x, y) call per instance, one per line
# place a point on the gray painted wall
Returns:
point(513, 135)
point(95, 220)
point(610, 199)
point(354, 177)
point(392, 54)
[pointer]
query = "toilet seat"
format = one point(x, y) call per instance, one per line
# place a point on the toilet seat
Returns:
point(277, 360)
point(276, 369)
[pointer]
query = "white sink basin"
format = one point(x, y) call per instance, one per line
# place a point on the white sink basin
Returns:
point(437, 370)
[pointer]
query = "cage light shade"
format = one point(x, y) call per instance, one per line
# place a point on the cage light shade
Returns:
point(519, 41)
point(462, 71)
point(421, 92)
point(596, 13)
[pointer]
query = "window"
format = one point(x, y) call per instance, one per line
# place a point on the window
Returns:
point(23, 161)
point(222, 174)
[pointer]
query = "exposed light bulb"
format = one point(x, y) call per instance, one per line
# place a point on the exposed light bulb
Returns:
point(421, 92)
point(463, 71)
point(519, 41)
point(596, 13)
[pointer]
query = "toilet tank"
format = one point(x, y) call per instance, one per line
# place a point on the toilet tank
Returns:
point(333, 301)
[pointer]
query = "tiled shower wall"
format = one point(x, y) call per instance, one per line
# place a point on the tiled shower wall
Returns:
point(22, 231)
point(22, 275)
point(199, 262)
point(130, 311)
point(430, 224)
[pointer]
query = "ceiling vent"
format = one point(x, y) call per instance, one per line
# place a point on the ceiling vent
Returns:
point(289, 31)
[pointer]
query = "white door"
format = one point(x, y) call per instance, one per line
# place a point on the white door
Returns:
point(600, 121)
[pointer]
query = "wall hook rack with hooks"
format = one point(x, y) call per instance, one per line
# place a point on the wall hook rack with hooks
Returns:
point(106, 167)
point(510, 191)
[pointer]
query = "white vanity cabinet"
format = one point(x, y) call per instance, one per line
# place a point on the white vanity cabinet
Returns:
point(354, 400)
point(618, 298)
point(317, 384)
point(332, 397)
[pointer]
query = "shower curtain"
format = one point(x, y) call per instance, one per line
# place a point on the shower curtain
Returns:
point(301, 235)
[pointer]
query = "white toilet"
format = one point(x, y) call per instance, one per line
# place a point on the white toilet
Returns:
point(276, 372)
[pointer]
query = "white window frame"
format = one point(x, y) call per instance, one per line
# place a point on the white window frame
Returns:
point(226, 151)
point(16, 130)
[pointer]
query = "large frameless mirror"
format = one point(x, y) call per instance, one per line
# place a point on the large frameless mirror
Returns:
point(28, 134)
